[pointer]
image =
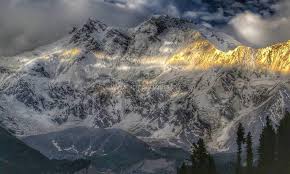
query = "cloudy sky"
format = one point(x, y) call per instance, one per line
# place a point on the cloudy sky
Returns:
point(27, 24)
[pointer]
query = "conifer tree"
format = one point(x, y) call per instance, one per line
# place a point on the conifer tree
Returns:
point(212, 167)
point(250, 155)
point(266, 150)
point(240, 140)
point(283, 145)
point(199, 157)
point(202, 162)
point(182, 169)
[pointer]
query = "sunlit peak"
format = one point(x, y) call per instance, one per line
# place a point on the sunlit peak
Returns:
point(202, 55)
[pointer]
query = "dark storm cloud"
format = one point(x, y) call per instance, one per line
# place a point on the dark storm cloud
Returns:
point(256, 30)
point(26, 24)
point(254, 23)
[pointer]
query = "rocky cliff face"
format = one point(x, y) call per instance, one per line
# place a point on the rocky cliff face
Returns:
point(163, 81)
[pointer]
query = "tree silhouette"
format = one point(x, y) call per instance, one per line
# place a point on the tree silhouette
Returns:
point(283, 145)
point(239, 140)
point(202, 162)
point(212, 167)
point(266, 150)
point(250, 155)
point(199, 157)
point(182, 169)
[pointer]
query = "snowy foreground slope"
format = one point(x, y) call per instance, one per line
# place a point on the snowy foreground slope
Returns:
point(105, 77)
point(109, 150)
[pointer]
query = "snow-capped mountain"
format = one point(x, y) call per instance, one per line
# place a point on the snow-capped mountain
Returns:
point(137, 80)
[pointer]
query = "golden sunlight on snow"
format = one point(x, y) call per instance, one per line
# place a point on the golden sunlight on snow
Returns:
point(71, 52)
point(100, 55)
point(153, 61)
point(203, 55)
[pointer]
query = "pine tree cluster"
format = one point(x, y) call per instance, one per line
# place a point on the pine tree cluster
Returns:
point(201, 161)
point(273, 152)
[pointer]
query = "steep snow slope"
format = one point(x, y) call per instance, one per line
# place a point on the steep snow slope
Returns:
point(17, 157)
point(106, 77)
point(108, 149)
point(81, 142)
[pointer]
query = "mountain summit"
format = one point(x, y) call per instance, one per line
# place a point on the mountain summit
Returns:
point(166, 81)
